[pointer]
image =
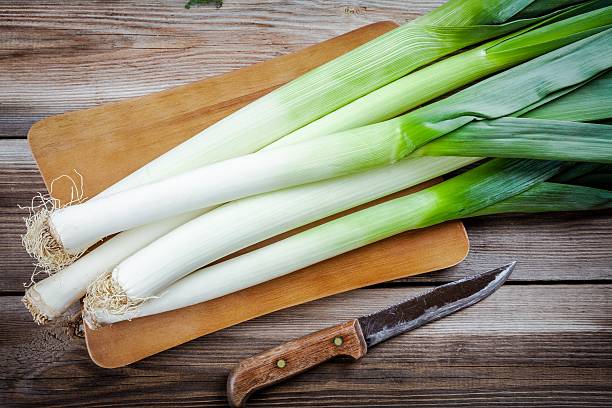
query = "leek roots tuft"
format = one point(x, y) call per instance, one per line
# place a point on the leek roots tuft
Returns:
point(39, 240)
point(106, 294)
point(32, 302)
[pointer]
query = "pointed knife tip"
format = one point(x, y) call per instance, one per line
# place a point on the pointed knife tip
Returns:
point(507, 269)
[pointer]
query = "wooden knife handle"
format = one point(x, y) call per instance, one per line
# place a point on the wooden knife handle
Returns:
point(292, 358)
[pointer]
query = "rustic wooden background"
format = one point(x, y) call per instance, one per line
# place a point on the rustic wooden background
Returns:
point(544, 339)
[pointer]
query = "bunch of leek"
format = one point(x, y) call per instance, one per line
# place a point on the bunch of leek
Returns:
point(214, 235)
point(486, 189)
point(455, 25)
point(211, 236)
point(51, 297)
point(334, 155)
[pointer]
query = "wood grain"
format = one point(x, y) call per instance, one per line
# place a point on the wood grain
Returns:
point(294, 357)
point(100, 52)
point(529, 345)
point(526, 345)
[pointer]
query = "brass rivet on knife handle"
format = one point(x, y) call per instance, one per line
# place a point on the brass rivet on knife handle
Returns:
point(292, 358)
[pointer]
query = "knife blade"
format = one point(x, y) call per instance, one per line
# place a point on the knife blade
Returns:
point(355, 337)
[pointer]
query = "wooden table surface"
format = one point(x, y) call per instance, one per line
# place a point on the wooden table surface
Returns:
point(544, 339)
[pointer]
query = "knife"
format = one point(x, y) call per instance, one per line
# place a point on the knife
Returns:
point(355, 337)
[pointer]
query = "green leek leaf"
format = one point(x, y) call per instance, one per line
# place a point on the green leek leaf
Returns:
point(548, 197)
point(454, 72)
point(590, 102)
point(511, 90)
point(526, 138)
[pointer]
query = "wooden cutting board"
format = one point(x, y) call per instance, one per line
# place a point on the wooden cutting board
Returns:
point(108, 142)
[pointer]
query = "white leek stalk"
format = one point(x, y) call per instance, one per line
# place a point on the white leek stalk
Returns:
point(476, 189)
point(242, 223)
point(322, 158)
point(51, 297)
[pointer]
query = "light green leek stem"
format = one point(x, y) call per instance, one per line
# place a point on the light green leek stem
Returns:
point(453, 26)
point(454, 72)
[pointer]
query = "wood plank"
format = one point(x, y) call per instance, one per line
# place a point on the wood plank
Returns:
point(549, 247)
point(63, 56)
point(525, 345)
point(19, 181)
point(60, 56)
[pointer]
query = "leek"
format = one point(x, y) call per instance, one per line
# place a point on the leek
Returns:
point(233, 226)
point(462, 195)
point(454, 72)
point(445, 30)
point(49, 298)
point(334, 155)
point(450, 27)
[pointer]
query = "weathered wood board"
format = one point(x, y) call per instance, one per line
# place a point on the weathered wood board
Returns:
point(536, 342)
